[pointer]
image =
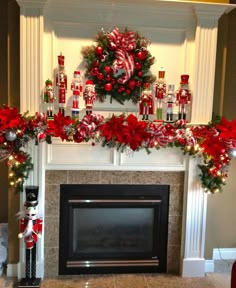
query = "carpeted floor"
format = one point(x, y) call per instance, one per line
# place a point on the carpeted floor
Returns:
point(212, 280)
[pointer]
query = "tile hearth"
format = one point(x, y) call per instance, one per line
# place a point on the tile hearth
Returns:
point(52, 189)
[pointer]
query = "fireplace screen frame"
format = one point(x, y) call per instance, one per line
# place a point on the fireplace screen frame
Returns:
point(155, 196)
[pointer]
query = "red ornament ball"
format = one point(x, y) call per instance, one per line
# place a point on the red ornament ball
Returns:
point(100, 76)
point(132, 84)
point(108, 78)
point(108, 87)
point(141, 55)
point(96, 63)
point(99, 50)
point(138, 66)
point(140, 74)
point(108, 69)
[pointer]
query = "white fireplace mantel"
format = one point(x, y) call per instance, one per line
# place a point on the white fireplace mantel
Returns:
point(184, 38)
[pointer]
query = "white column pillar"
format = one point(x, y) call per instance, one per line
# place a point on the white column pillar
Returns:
point(194, 223)
point(31, 50)
point(204, 64)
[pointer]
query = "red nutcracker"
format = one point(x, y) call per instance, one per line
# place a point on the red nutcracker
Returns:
point(146, 103)
point(30, 230)
point(89, 96)
point(76, 87)
point(160, 93)
point(49, 98)
point(170, 102)
point(61, 83)
point(183, 96)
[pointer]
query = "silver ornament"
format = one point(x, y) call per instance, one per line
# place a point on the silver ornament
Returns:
point(232, 153)
point(10, 135)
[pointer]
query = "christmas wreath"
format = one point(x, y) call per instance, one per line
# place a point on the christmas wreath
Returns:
point(119, 65)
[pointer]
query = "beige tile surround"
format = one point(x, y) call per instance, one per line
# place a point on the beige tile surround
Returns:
point(52, 191)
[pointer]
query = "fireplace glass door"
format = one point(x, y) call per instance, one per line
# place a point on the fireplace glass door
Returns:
point(113, 228)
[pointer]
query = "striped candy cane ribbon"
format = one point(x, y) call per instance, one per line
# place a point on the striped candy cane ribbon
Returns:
point(122, 43)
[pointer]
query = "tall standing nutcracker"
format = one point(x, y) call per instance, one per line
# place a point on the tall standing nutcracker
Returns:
point(89, 96)
point(30, 230)
point(61, 83)
point(170, 100)
point(183, 96)
point(49, 98)
point(76, 87)
point(160, 93)
point(146, 103)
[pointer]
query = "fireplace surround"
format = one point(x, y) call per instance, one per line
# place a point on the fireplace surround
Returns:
point(54, 178)
point(183, 28)
point(107, 228)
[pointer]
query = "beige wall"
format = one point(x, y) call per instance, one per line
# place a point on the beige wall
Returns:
point(9, 95)
point(221, 210)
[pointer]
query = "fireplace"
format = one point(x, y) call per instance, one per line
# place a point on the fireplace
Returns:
point(113, 228)
point(184, 28)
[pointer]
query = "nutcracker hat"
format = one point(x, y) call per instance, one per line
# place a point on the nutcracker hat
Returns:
point(31, 196)
point(161, 74)
point(76, 72)
point(89, 83)
point(48, 82)
point(184, 79)
point(61, 60)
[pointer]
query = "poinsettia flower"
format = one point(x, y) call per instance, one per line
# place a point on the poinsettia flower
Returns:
point(214, 147)
point(59, 127)
point(227, 129)
point(11, 118)
point(134, 133)
point(112, 128)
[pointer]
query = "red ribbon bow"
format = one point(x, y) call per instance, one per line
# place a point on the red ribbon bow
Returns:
point(123, 44)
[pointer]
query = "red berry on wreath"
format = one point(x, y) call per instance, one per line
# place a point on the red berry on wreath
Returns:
point(108, 69)
point(128, 91)
point(96, 63)
point(108, 87)
point(138, 83)
point(100, 76)
point(132, 84)
point(138, 66)
point(99, 50)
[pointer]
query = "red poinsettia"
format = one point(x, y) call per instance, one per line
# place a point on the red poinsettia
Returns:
point(227, 130)
point(112, 128)
point(134, 133)
point(10, 118)
point(60, 126)
point(213, 147)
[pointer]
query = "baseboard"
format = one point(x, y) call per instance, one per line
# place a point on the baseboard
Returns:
point(209, 266)
point(12, 270)
point(224, 253)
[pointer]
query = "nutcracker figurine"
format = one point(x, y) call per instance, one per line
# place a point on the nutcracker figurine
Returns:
point(61, 83)
point(89, 96)
point(146, 103)
point(49, 98)
point(76, 87)
point(170, 100)
point(30, 230)
point(160, 93)
point(183, 96)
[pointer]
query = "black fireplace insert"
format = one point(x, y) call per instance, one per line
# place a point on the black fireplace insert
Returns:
point(113, 228)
